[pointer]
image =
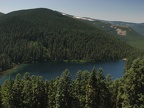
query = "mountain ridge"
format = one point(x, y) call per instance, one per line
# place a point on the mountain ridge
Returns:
point(38, 35)
point(124, 32)
point(138, 27)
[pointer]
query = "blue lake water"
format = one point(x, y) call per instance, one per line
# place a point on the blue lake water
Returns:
point(51, 70)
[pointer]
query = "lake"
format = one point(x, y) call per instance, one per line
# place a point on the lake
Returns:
point(51, 70)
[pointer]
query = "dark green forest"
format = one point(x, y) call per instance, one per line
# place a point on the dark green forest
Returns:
point(88, 90)
point(1, 14)
point(132, 37)
point(39, 35)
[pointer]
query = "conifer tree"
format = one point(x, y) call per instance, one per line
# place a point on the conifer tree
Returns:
point(27, 91)
point(92, 90)
point(17, 92)
point(134, 85)
point(0, 98)
point(63, 93)
point(6, 93)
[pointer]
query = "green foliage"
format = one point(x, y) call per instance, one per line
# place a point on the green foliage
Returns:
point(87, 90)
point(6, 94)
point(138, 27)
point(133, 86)
point(134, 32)
point(1, 14)
point(62, 92)
point(92, 92)
point(38, 35)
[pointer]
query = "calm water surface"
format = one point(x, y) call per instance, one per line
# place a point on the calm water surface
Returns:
point(51, 70)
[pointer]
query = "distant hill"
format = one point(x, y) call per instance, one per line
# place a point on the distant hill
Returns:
point(38, 35)
point(138, 27)
point(131, 33)
point(121, 31)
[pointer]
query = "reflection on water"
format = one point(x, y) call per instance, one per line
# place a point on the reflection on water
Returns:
point(53, 69)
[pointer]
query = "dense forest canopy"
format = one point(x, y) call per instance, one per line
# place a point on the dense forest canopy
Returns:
point(87, 90)
point(123, 32)
point(38, 35)
point(1, 14)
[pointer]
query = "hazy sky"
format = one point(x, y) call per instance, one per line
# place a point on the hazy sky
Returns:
point(118, 10)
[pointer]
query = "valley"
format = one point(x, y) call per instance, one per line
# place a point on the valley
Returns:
point(50, 59)
point(131, 33)
point(39, 35)
point(50, 70)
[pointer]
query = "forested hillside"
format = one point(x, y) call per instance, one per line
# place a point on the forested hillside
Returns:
point(87, 90)
point(38, 35)
point(1, 14)
point(139, 27)
point(123, 31)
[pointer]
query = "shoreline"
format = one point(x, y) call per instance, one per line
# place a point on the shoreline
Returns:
point(7, 71)
point(65, 61)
